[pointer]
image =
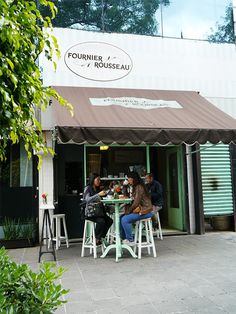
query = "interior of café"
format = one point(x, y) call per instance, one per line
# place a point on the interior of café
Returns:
point(73, 164)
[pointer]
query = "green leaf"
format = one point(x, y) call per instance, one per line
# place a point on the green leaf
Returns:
point(10, 63)
point(14, 137)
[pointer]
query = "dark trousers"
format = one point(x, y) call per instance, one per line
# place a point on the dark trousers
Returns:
point(102, 226)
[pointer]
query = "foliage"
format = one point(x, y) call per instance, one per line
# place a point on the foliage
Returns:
point(18, 229)
point(122, 16)
point(24, 291)
point(11, 229)
point(28, 229)
point(22, 93)
point(224, 32)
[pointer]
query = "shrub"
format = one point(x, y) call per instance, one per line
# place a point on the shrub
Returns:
point(26, 292)
point(18, 228)
point(28, 229)
point(11, 229)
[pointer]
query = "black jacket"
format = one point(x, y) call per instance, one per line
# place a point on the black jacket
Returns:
point(156, 191)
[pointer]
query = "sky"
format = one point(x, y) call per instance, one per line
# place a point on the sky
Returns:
point(194, 18)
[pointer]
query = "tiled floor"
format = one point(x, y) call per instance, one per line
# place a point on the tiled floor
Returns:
point(192, 274)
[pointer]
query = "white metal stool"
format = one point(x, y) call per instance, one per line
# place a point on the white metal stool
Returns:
point(59, 218)
point(149, 243)
point(89, 239)
point(158, 232)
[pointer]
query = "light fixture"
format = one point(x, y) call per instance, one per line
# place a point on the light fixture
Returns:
point(104, 147)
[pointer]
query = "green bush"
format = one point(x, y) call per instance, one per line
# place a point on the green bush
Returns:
point(26, 292)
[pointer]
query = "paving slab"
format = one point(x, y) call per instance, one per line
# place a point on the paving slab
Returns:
point(191, 274)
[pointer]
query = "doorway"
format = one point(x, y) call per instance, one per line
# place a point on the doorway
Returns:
point(68, 186)
point(166, 164)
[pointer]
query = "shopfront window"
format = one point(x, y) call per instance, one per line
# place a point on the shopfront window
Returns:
point(116, 162)
point(16, 171)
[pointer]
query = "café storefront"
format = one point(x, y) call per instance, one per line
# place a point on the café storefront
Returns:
point(117, 130)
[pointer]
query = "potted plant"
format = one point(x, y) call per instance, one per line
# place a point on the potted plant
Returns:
point(25, 291)
point(18, 233)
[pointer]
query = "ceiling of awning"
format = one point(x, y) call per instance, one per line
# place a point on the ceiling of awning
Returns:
point(195, 120)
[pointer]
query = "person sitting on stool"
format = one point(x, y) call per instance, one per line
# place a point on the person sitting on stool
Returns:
point(155, 189)
point(93, 194)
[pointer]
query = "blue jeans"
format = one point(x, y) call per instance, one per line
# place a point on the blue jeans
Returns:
point(127, 220)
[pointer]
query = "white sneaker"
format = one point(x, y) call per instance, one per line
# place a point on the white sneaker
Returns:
point(130, 243)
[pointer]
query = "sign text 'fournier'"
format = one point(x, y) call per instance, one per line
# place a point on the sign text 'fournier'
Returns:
point(98, 61)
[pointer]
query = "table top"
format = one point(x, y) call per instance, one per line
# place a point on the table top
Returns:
point(116, 200)
point(46, 206)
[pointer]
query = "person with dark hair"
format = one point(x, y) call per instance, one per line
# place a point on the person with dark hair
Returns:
point(92, 195)
point(140, 208)
point(156, 191)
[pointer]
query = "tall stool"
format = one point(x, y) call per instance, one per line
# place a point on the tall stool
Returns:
point(149, 243)
point(57, 219)
point(158, 232)
point(89, 239)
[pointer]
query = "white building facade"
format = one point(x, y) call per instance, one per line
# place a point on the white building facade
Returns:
point(124, 61)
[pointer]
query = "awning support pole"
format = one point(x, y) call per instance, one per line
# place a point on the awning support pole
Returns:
point(85, 174)
point(192, 218)
point(148, 158)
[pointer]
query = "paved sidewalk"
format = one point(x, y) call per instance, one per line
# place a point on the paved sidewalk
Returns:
point(191, 274)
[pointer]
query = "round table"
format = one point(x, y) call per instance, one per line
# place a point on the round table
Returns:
point(118, 245)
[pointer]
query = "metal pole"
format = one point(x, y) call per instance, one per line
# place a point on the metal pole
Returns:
point(161, 19)
point(192, 218)
point(85, 167)
point(103, 26)
point(234, 17)
point(148, 158)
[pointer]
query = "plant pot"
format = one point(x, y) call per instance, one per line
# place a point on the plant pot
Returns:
point(222, 223)
point(18, 243)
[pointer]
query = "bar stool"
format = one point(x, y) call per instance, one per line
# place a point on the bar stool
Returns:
point(57, 219)
point(158, 232)
point(149, 243)
point(89, 239)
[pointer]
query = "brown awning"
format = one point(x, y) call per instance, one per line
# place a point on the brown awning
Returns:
point(195, 120)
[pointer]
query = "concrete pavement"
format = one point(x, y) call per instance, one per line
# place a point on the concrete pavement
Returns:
point(191, 274)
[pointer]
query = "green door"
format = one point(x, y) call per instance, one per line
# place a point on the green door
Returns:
point(175, 189)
